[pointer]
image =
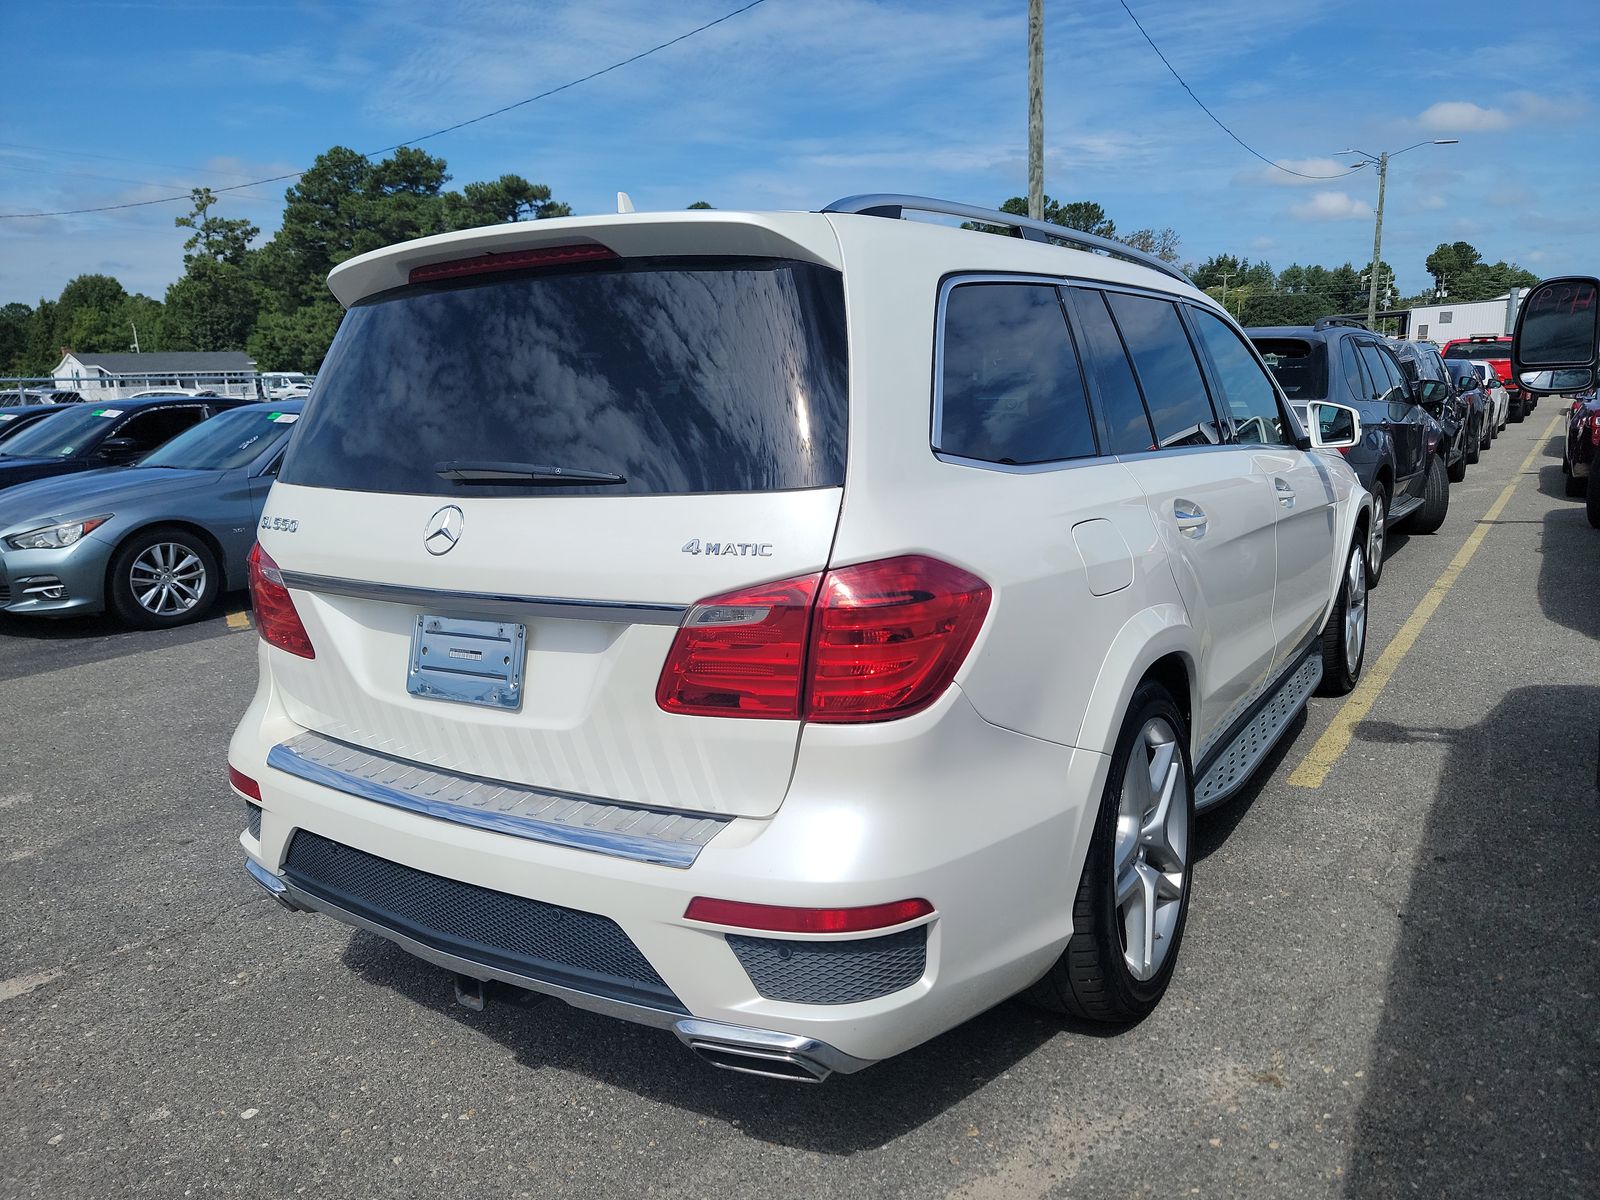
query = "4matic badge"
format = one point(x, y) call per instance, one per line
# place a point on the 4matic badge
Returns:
point(729, 549)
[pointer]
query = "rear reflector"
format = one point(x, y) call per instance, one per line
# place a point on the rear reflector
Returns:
point(775, 918)
point(277, 619)
point(516, 260)
point(244, 783)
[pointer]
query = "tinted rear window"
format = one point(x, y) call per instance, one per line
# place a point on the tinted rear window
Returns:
point(1301, 366)
point(1479, 350)
point(682, 376)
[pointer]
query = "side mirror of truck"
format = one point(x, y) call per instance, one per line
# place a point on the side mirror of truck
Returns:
point(1333, 426)
point(1556, 344)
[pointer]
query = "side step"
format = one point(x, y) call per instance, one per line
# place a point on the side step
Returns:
point(1237, 761)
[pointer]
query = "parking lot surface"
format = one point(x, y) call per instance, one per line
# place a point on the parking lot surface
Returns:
point(1388, 984)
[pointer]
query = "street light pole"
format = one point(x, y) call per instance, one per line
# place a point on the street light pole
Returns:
point(1036, 109)
point(1226, 275)
point(1381, 161)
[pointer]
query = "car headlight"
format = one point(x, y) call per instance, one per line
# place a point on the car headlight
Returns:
point(55, 537)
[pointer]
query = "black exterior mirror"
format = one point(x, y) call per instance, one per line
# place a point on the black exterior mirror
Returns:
point(1431, 392)
point(119, 449)
point(1558, 335)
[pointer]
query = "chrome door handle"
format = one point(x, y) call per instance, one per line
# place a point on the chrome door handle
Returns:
point(1285, 493)
point(1191, 518)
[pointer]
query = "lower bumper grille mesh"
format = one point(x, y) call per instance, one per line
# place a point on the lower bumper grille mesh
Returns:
point(252, 814)
point(833, 972)
point(562, 946)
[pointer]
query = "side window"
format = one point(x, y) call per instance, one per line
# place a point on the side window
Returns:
point(1127, 424)
point(1377, 372)
point(1174, 390)
point(150, 429)
point(1245, 386)
point(1011, 390)
point(1355, 378)
point(1397, 377)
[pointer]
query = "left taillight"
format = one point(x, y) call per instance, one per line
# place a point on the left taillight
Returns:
point(277, 619)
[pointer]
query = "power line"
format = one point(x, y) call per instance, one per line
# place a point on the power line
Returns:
point(71, 212)
point(1213, 116)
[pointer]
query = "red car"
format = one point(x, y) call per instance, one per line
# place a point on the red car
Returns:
point(1496, 351)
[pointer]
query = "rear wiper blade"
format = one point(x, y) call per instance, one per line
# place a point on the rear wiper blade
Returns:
point(474, 471)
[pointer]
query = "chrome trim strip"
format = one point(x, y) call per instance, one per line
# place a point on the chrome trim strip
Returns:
point(265, 877)
point(666, 839)
point(767, 1044)
point(443, 600)
point(604, 1005)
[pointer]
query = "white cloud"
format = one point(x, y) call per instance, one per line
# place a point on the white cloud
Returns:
point(1332, 206)
point(1462, 116)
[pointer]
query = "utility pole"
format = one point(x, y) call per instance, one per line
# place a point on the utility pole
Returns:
point(135, 337)
point(1226, 275)
point(1381, 161)
point(1377, 243)
point(1036, 109)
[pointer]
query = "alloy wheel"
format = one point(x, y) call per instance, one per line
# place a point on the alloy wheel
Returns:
point(1355, 610)
point(1151, 855)
point(1379, 533)
point(167, 579)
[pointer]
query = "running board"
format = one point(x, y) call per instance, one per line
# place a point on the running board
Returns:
point(1238, 761)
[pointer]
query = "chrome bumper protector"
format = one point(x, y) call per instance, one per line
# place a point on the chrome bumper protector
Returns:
point(491, 604)
point(667, 839)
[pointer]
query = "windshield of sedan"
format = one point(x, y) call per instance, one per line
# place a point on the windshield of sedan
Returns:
point(63, 434)
point(228, 440)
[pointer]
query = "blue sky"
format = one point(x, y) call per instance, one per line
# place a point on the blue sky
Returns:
point(798, 102)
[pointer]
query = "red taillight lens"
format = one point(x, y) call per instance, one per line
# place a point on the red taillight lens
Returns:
point(889, 636)
point(863, 643)
point(244, 783)
point(276, 618)
point(777, 918)
point(516, 260)
point(741, 654)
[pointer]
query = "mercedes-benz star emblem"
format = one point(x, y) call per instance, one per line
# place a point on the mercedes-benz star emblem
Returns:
point(443, 530)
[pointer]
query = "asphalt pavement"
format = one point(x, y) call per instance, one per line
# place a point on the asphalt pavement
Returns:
point(1388, 984)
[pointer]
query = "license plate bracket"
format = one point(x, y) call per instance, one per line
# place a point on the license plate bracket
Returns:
point(468, 662)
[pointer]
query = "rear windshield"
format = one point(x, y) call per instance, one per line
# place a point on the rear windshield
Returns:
point(677, 376)
point(1479, 350)
point(1301, 366)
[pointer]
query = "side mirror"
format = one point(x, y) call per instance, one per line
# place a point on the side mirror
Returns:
point(1333, 426)
point(120, 449)
point(1558, 330)
point(1431, 391)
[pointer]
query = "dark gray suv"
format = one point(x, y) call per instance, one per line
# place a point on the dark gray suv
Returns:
point(1401, 456)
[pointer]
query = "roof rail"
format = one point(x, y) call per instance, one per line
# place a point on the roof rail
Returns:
point(894, 206)
point(1326, 322)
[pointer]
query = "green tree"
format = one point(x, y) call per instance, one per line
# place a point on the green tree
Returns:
point(699, 204)
point(218, 239)
point(1083, 215)
point(1163, 243)
point(501, 201)
point(14, 321)
point(213, 305)
point(298, 340)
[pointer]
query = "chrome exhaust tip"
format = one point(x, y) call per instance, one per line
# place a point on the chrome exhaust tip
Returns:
point(786, 1056)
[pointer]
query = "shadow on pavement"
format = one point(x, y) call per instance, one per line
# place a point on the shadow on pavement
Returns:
point(1213, 828)
point(1569, 574)
point(1486, 1065)
point(847, 1114)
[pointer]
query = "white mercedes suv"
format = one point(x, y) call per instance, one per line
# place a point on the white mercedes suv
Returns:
point(800, 631)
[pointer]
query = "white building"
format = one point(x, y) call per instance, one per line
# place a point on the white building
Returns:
point(1443, 322)
point(100, 377)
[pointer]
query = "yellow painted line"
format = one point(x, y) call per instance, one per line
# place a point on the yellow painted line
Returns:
point(239, 620)
point(1335, 740)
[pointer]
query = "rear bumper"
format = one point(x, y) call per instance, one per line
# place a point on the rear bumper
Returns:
point(987, 825)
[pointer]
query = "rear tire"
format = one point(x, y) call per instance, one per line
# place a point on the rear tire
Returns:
point(1344, 637)
point(1435, 499)
point(1150, 854)
point(163, 577)
point(1458, 469)
point(1515, 412)
point(1379, 538)
point(1475, 443)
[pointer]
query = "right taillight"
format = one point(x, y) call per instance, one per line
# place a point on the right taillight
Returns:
point(868, 642)
point(276, 617)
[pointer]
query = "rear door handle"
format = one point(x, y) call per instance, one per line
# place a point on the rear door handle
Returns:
point(1285, 493)
point(1191, 518)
